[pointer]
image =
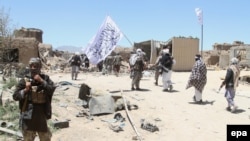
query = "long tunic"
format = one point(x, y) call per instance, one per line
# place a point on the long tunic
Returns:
point(198, 77)
point(38, 120)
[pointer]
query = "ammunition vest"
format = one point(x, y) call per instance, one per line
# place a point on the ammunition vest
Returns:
point(38, 97)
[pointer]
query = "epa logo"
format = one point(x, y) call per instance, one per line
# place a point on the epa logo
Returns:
point(238, 132)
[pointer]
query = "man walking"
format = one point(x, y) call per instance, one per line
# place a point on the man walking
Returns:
point(85, 60)
point(166, 65)
point(75, 62)
point(136, 68)
point(231, 82)
point(117, 62)
point(107, 65)
point(198, 78)
point(158, 69)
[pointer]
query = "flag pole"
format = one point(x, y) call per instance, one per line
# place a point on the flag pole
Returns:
point(199, 14)
point(127, 39)
point(202, 40)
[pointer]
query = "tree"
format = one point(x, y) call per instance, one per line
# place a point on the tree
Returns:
point(6, 29)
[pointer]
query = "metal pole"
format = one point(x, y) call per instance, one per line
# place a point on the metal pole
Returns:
point(127, 39)
point(202, 40)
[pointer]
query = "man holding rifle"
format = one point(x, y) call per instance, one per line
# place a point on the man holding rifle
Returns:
point(231, 82)
point(34, 93)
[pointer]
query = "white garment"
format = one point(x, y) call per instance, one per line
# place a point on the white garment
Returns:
point(166, 79)
point(74, 72)
point(75, 69)
point(198, 95)
point(174, 61)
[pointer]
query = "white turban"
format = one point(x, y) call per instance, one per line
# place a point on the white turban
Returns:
point(165, 51)
point(138, 51)
point(234, 60)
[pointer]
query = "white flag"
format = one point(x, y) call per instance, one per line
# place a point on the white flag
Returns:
point(104, 42)
point(199, 14)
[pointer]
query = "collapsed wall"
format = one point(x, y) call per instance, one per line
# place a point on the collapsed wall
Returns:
point(221, 54)
point(29, 33)
point(27, 48)
point(22, 47)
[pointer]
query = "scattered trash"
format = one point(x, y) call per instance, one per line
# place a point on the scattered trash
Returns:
point(3, 123)
point(63, 83)
point(117, 123)
point(60, 124)
point(109, 120)
point(118, 126)
point(16, 133)
point(119, 117)
point(157, 119)
point(133, 107)
point(148, 126)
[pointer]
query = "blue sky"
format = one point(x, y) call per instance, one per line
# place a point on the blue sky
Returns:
point(75, 22)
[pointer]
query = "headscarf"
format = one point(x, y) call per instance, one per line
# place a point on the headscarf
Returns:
point(234, 60)
point(134, 57)
point(138, 51)
point(165, 51)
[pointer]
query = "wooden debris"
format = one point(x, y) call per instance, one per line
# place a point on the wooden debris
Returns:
point(130, 119)
point(60, 124)
point(16, 133)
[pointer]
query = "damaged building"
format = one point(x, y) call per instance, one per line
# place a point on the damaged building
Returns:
point(243, 53)
point(23, 46)
point(221, 54)
point(27, 43)
point(182, 48)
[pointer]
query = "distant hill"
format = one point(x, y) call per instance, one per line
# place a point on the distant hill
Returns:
point(73, 49)
point(69, 49)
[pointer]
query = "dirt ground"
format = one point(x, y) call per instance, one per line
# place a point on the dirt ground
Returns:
point(174, 113)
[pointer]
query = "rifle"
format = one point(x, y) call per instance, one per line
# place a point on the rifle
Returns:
point(222, 84)
point(23, 114)
point(22, 111)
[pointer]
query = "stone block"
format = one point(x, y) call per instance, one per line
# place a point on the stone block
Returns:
point(60, 124)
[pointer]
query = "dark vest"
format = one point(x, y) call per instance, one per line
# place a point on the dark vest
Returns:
point(167, 61)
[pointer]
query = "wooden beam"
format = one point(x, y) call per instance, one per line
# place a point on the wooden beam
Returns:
point(16, 133)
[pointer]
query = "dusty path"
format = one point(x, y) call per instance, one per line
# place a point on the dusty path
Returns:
point(177, 117)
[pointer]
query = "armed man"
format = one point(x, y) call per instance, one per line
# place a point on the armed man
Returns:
point(34, 93)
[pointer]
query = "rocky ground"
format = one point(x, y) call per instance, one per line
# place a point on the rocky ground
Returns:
point(174, 113)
